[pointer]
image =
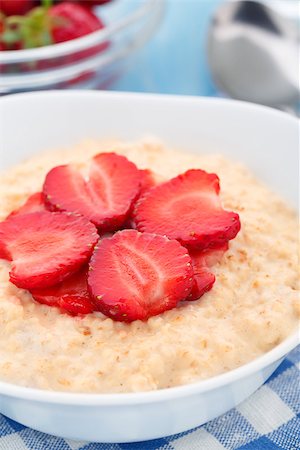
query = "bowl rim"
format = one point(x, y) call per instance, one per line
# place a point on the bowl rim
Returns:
point(81, 43)
point(146, 96)
point(155, 396)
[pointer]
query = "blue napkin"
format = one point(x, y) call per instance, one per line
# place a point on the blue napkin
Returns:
point(268, 420)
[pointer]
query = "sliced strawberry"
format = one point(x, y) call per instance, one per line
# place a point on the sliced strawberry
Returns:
point(204, 281)
point(4, 253)
point(34, 203)
point(202, 260)
point(45, 248)
point(71, 295)
point(187, 208)
point(105, 199)
point(138, 275)
point(149, 180)
point(76, 305)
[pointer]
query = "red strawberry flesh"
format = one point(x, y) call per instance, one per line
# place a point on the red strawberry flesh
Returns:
point(202, 261)
point(15, 7)
point(45, 248)
point(92, 3)
point(187, 208)
point(34, 203)
point(71, 295)
point(149, 180)
point(138, 275)
point(75, 305)
point(105, 198)
point(73, 21)
point(204, 281)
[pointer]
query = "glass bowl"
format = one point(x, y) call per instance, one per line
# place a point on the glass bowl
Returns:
point(92, 61)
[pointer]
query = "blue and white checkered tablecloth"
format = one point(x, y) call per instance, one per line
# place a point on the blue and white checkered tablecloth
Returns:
point(268, 420)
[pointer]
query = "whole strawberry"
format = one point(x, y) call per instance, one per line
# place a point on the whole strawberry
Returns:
point(15, 7)
point(2, 45)
point(86, 3)
point(92, 3)
point(46, 25)
point(72, 21)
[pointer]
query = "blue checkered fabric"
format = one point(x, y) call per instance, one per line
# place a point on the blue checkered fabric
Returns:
point(268, 420)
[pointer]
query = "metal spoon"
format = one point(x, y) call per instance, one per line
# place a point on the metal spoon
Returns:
point(253, 53)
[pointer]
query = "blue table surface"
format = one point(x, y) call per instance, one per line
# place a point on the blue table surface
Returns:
point(174, 60)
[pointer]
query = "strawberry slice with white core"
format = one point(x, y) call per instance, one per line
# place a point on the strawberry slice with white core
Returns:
point(187, 208)
point(34, 203)
point(45, 248)
point(105, 197)
point(138, 275)
point(202, 261)
point(71, 295)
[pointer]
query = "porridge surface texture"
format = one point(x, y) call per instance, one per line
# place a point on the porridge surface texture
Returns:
point(253, 306)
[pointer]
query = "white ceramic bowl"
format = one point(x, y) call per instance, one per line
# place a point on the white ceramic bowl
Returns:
point(265, 139)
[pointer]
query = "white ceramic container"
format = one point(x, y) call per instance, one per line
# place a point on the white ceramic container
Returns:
point(264, 139)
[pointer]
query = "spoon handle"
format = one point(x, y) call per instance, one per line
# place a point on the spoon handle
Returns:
point(294, 110)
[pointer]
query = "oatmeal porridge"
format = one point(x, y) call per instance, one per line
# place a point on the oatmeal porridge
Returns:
point(253, 306)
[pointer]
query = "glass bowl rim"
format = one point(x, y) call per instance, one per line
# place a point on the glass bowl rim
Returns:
point(82, 43)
